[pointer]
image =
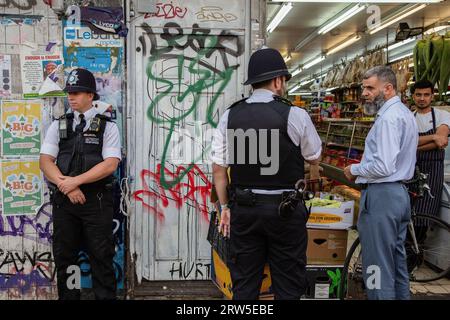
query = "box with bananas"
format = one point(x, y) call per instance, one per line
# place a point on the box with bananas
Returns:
point(330, 211)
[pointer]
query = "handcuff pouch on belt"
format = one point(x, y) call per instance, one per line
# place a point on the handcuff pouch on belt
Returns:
point(243, 197)
point(291, 199)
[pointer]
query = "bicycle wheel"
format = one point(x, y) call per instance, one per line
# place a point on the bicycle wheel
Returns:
point(432, 259)
point(352, 283)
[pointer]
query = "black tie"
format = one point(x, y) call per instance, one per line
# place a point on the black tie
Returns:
point(79, 128)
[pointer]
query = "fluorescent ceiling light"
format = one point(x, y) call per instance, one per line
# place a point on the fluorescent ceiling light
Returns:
point(401, 57)
point(294, 88)
point(301, 84)
point(397, 17)
point(287, 58)
point(296, 72)
point(343, 17)
point(400, 44)
point(366, 1)
point(279, 16)
point(313, 62)
point(331, 89)
point(436, 29)
point(301, 94)
point(343, 45)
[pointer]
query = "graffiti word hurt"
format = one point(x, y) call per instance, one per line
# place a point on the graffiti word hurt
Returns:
point(183, 193)
point(167, 11)
point(183, 270)
point(212, 13)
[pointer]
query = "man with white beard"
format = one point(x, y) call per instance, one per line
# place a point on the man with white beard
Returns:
point(389, 158)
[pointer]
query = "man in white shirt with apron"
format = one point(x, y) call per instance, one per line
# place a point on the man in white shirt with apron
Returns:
point(433, 125)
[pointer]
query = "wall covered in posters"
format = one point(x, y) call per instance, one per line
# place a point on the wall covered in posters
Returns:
point(31, 65)
point(26, 261)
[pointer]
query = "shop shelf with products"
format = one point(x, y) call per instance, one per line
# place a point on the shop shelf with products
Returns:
point(343, 141)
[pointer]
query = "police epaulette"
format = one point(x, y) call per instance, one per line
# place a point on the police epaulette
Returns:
point(236, 103)
point(283, 100)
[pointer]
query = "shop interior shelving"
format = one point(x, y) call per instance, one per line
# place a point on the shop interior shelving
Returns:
point(343, 144)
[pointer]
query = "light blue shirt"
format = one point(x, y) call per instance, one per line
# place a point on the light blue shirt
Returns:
point(391, 146)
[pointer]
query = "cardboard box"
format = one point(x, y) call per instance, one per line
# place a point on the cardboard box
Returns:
point(327, 247)
point(323, 282)
point(332, 218)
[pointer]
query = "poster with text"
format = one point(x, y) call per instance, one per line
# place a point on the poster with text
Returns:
point(35, 69)
point(21, 187)
point(21, 124)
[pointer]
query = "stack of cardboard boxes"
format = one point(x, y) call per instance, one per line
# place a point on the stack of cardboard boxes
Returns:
point(327, 248)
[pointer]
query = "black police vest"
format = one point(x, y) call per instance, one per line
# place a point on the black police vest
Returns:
point(80, 152)
point(257, 116)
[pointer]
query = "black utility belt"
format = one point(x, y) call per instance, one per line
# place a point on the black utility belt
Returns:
point(96, 188)
point(364, 186)
point(246, 197)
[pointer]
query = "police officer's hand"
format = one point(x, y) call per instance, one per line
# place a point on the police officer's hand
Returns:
point(76, 196)
point(224, 226)
point(68, 184)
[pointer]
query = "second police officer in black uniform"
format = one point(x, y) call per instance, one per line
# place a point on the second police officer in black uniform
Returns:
point(278, 137)
point(80, 153)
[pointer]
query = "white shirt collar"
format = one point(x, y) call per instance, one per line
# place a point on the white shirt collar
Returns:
point(88, 115)
point(263, 92)
point(261, 95)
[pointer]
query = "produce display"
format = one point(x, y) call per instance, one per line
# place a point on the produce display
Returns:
point(325, 203)
point(432, 61)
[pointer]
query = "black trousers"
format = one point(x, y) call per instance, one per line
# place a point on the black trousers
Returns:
point(90, 225)
point(260, 235)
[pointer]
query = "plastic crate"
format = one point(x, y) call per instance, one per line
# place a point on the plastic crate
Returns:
point(218, 242)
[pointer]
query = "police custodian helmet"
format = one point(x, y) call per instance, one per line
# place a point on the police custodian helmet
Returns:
point(266, 64)
point(81, 80)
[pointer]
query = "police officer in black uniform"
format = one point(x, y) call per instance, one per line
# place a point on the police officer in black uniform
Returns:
point(86, 148)
point(261, 230)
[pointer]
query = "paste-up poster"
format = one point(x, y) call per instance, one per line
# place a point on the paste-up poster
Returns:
point(21, 187)
point(36, 68)
point(21, 124)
